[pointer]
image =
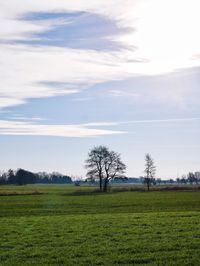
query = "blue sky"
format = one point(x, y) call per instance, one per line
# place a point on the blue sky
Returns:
point(75, 75)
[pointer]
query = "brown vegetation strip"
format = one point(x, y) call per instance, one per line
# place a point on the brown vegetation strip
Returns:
point(134, 189)
point(21, 193)
point(174, 188)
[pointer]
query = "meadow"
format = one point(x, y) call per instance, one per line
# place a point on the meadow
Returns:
point(68, 225)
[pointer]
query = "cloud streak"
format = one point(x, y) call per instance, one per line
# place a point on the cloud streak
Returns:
point(32, 129)
point(148, 121)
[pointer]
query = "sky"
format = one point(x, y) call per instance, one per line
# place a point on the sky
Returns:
point(119, 73)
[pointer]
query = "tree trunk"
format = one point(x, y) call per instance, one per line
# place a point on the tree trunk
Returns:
point(105, 185)
point(100, 183)
point(148, 185)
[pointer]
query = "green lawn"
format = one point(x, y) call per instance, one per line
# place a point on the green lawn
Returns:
point(127, 228)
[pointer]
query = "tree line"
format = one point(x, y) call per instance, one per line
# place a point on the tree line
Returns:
point(191, 178)
point(24, 177)
point(103, 167)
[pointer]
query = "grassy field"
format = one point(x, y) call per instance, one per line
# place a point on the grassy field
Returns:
point(61, 225)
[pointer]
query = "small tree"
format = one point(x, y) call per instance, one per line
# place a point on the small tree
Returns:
point(104, 165)
point(150, 170)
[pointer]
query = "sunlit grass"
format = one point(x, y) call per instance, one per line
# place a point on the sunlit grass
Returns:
point(127, 228)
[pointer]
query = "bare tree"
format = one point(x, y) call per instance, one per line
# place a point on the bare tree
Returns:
point(95, 164)
point(114, 168)
point(104, 165)
point(150, 170)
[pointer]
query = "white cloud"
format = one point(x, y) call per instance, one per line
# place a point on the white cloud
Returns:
point(9, 101)
point(164, 32)
point(25, 69)
point(33, 129)
point(11, 11)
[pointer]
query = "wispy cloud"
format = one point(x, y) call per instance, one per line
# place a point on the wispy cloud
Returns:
point(33, 129)
point(147, 45)
point(147, 121)
point(171, 120)
point(21, 127)
point(25, 68)
point(123, 93)
point(24, 118)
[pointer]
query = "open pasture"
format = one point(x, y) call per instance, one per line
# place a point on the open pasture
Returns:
point(59, 225)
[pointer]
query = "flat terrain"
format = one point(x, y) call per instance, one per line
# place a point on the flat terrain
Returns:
point(64, 225)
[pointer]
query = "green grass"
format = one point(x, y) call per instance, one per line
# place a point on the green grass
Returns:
point(127, 228)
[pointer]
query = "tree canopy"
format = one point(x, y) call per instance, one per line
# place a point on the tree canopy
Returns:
point(104, 165)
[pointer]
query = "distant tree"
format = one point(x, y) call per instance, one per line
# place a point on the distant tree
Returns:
point(104, 165)
point(191, 178)
point(197, 177)
point(3, 178)
point(43, 178)
point(158, 181)
point(57, 178)
point(77, 183)
point(53, 178)
point(150, 170)
point(24, 177)
point(183, 180)
point(11, 177)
